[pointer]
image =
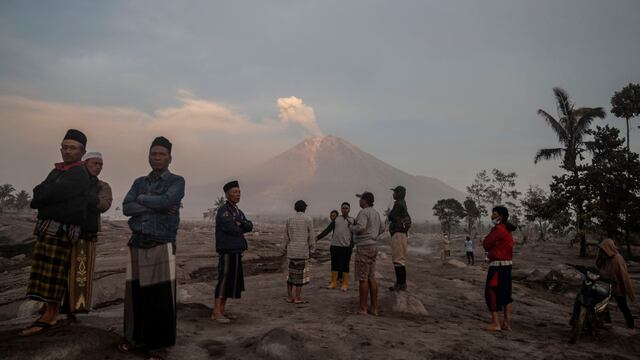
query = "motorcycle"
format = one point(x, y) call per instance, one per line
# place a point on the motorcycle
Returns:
point(591, 303)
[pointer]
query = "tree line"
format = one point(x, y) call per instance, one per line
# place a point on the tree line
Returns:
point(596, 194)
point(10, 198)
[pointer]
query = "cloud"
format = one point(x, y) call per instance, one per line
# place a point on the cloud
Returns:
point(211, 140)
point(293, 110)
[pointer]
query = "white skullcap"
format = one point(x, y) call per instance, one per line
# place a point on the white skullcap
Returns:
point(92, 155)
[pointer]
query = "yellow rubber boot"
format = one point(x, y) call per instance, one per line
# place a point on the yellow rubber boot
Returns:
point(345, 281)
point(334, 280)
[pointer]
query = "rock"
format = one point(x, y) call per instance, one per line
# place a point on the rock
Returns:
point(28, 308)
point(108, 290)
point(456, 263)
point(61, 344)
point(536, 276)
point(18, 258)
point(280, 344)
point(200, 292)
point(520, 274)
point(403, 302)
point(553, 280)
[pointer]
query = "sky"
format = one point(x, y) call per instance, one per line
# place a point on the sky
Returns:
point(435, 88)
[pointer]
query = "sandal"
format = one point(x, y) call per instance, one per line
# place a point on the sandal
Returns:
point(124, 348)
point(44, 326)
point(222, 320)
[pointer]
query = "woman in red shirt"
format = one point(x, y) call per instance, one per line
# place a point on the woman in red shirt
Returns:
point(499, 246)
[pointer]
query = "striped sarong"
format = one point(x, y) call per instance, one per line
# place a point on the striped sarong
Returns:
point(299, 272)
point(150, 298)
point(50, 262)
point(230, 276)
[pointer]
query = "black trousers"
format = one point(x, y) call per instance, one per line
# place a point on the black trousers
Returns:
point(340, 258)
point(624, 308)
point(470, 259)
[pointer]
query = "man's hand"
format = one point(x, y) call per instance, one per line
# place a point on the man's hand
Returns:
point(172, 210)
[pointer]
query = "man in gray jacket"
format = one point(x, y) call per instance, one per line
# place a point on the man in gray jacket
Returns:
point(367, 227)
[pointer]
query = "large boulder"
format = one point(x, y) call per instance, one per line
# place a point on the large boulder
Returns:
point(405, 303)
point(456, 263)
point(108, 290)
point(280, 344)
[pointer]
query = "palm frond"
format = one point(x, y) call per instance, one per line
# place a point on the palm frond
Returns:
point(563, 101)
point(560, 131)
point(585, 117)
point(548, 154)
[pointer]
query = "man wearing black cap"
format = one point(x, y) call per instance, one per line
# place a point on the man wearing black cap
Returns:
point(231, 225)
point(153, 205)
point(367, 228)
point(61, 201)
point(299, 244)
point(399, 224)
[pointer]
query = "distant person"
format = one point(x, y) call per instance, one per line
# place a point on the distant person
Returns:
point(83, 253)
point(499, 246)
point(299, 244)
point(231, 225)
point(61, 201)
point(153, 207)
point(468, 248)
point(613, 267)
point(399, 224)
point(367, 227)
point(341, 246)
point(446, 246)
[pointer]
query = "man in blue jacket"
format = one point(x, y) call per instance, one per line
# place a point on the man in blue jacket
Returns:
point(153, 205)
point(231, 225)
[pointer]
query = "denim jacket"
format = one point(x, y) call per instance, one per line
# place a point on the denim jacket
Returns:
point(148, 202)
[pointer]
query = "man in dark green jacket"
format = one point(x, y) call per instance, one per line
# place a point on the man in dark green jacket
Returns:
point(61, 202)
point(231, 225)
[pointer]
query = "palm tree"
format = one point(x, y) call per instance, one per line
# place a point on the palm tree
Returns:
point(211, 212)
point(571, 127)
point(22, 200)
point(6, 192)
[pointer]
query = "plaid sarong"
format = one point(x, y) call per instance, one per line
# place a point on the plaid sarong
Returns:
point(150, 298)
point(50, 261)
point(299, 272)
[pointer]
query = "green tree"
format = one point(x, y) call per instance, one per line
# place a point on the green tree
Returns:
point(626, 104)
point(536, 205)
point(449, 212)
point(612, 184)
point(22, 200)
point(502, 187)
point(478, 192)
point(471, 213)
point(6, 194)
point(571, 127)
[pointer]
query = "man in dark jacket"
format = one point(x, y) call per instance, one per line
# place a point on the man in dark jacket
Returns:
point(153, 204)
point(61, 203)
point(231, 225)
point(399, 223)
point(83, 253)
